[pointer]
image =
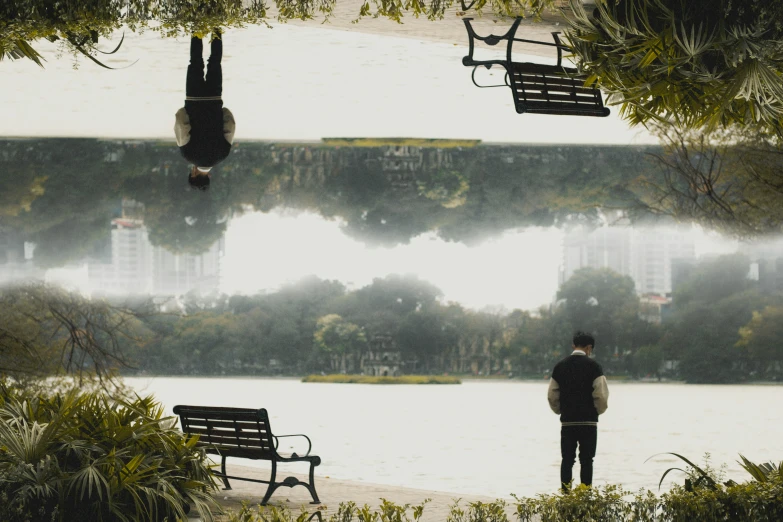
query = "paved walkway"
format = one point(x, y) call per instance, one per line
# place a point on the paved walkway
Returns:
point(332, 492)
point(448, 30)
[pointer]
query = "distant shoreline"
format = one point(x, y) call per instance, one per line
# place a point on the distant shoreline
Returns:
point(378, 379)
point(462, 378)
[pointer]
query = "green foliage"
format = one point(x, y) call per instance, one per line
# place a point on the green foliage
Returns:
point(693, 63)
point(751, 502)
point(706, 478)
point(369, 379)
point(764, 472)
point(79, 25)
point(713, 280)
point(347, 512)
point(761, 337)
point(582, 503)
point(49, 331)
point(758, 501)
point(647, 360)
point(18, 49)
point(604, 303)
point(726, 180)
point(342, 342)
point(86, 456)
point(748, 502)
point(478, 512)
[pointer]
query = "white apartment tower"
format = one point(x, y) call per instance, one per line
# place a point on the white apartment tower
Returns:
point(645, 254)
point(131, 265)
point(128, 269)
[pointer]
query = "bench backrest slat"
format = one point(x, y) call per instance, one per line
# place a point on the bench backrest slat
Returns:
point(227, 427)
point(546, 89)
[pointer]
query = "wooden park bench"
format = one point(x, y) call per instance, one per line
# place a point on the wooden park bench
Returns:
point(538, 88)
point(244, 433)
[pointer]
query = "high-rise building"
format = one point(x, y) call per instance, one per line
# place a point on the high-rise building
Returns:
point(606, 247)
point(766, 258)
point(178, 274)
point(654, 250)
point(129, 264)
point(644, 254)
point(16, 259)
point(128, 270)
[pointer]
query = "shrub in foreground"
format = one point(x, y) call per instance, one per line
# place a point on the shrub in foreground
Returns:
point(749, 502)
point(86, 456)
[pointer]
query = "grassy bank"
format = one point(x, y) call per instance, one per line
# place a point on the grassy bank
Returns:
point(369, 379)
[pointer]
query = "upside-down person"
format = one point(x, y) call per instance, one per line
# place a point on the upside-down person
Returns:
point(203, 127)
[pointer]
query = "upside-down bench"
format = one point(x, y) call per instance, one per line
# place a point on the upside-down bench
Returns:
point(538, 88)
point(244, 433)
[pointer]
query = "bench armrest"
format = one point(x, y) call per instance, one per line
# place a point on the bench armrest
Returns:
point(488, 66)
point(309, 442)
point(510, 37)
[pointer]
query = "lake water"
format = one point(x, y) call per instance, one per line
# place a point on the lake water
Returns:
point(496, 438)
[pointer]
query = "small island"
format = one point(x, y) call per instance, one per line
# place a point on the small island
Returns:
point(383, 379)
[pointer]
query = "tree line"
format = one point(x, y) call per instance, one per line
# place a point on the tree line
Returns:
point(63, 193)
point(721, 327)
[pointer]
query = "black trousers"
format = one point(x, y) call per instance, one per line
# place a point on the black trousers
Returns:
point(571, 436)
point(197, 85)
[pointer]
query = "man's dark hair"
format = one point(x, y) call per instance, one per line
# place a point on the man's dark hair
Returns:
point(198, 182)
point(583, 340)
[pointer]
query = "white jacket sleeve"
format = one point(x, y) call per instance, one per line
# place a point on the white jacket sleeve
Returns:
point(553, 396)
point(229, 125)
point(600, 394)
point(182, 127)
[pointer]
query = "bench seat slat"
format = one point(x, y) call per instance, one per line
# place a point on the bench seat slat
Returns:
point(556, 97)
point(562, 82)
point(527, 86)
point(564, 111)
point(230, 440)
point(242, 453)
point(235, 435)
point(543, 89)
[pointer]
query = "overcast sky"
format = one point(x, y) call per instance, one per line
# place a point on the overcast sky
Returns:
point(519, 269)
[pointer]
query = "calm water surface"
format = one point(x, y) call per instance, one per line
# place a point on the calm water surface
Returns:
point(496, 438)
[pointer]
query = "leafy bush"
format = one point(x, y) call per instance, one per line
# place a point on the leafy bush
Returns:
point(479, 512)
point(78, 24)
point(346, 512)
point(750, 502)
point(86, 456)
point(582, 503)
point(695, 63)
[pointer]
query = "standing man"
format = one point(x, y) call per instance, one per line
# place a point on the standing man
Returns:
point(203, 127)
point(578, 393)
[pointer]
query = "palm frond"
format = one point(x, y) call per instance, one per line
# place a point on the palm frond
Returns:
point(21, 49)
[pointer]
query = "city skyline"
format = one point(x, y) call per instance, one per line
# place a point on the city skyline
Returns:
point(520, 268)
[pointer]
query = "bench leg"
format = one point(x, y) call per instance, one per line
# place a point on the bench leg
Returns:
point(223, 471)
point(290, 482)
point(311, 485)
point(272, 486)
